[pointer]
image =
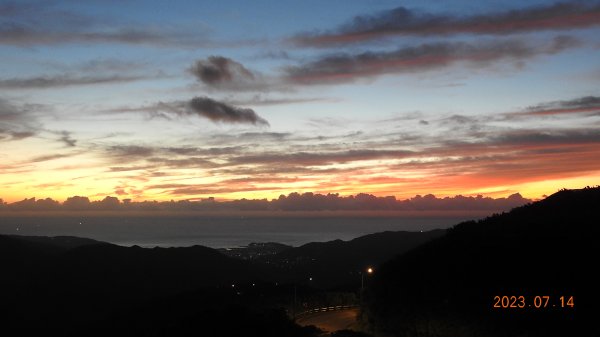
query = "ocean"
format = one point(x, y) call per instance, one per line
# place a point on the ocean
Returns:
point(215, 231)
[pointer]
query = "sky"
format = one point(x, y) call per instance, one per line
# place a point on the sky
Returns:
point(178, 100)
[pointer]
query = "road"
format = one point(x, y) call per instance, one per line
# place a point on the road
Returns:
point(330, 321)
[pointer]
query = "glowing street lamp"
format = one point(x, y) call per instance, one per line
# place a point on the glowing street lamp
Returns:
point(362, 278)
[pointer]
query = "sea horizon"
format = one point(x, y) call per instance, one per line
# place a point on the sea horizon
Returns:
point(220, 231)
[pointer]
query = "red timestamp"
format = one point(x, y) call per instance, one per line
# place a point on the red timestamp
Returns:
point(535, 302)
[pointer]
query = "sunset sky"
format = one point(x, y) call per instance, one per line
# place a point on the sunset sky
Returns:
point(161, 100)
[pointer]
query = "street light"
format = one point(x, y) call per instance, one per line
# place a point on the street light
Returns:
point(362, 278)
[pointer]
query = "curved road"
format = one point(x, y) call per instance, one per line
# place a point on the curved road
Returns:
point(331, 321)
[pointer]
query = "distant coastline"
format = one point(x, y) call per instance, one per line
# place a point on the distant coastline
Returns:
point(182, 230)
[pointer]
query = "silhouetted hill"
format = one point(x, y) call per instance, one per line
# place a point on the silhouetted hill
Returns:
point(339, 263)
point(21, 259)
point(64, 242)
point(136, 270)
point(75, 284)
point(30, 254)
point(57, 290)
point(15, 251)
point(447, 286)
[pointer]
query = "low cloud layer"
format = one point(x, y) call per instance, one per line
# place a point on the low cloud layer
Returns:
point(342, 68)
point(220, 112)
point(292, 202)
point(402, 21)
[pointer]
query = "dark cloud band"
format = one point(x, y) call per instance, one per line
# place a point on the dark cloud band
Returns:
point(402, 21)
point(342, 68)
point(44, 82)
point(220, 112)
point(578, 105)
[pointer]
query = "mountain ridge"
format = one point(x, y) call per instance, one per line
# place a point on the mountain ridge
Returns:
point(447, 286)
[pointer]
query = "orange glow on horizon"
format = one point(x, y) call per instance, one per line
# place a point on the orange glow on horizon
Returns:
point(381, 187)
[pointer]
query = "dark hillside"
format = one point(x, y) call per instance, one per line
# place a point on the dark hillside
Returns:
point(339, 263)
point(447, 286)
point(64, 242)
point(57, 291)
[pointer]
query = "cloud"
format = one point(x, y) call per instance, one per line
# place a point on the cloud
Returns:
point(217, 70)
point(66, 138)
point(216, 111)
point(220, 112)
point(23, 24)
point(105, 65)
point(9, 112)
point(547, 137)
point(345, 67)
point(17, 122)
point(500, 157)
point(447, 163)
point(44, 82)
point(166, 110)
point(320, 158)
point(130, 151)
point(211, 151)
point(307, 201)
point(149, 158)
point(188, 162)
point(246, 138)
point(16, 135)
point(402, 21)
point(49, 157)
point(221, 159)
point(363, 201)
point(222, 73)
point(586, 104)
point(127, 168)
point(510, 157)
point(49, 23)
point(258, 100)
point(275, 55)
